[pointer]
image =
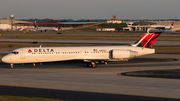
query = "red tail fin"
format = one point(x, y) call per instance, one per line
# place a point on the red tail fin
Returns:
point(147, 40)
point(35, 24)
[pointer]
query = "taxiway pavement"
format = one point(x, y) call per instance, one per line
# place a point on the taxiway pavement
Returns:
point(103, 79)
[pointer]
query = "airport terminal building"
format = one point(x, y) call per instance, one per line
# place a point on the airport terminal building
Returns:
point(131, 27)
point(7, 24)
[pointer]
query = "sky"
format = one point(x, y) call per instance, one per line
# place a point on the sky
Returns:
point(90, 9)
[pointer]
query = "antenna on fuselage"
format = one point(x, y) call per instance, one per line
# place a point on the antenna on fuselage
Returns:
point(40, 46)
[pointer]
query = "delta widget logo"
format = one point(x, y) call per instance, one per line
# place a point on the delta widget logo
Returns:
point(29, 51)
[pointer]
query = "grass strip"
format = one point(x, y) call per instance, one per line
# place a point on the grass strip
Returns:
point(72, 37)
point(0, 61)
point(172, 50)
point(74, 33)
point(19, 45)
point(87, 37)
point(18, 98)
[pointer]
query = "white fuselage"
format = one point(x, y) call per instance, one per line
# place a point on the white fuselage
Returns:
point(52, 54)
point(45, 28)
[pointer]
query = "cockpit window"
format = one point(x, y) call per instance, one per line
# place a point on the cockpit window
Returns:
point(14, 52)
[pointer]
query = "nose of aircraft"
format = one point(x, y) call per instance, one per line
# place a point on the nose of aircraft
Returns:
point(5, 59)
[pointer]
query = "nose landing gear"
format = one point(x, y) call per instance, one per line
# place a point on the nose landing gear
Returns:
point(12, 66)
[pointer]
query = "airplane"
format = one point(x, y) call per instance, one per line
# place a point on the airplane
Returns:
point(91, 55)
point(45, 29)
point(165, 27)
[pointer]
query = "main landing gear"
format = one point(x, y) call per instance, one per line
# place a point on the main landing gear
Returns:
point(91, 64)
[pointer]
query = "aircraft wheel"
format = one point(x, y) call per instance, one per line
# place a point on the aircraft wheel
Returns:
point(93, 65)
point(12, 66)
point(88, 64)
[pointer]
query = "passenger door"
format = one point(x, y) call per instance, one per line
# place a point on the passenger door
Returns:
point(22, 54)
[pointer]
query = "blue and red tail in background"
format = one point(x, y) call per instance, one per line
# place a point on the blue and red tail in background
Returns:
point(35, 24)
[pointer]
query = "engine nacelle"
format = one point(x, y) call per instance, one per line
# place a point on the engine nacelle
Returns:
point(123, 54)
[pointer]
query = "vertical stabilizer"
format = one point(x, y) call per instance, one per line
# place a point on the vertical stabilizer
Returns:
point(35, 25)
point(147, 40)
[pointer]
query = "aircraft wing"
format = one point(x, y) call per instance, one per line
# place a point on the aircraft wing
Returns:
point(101, 60)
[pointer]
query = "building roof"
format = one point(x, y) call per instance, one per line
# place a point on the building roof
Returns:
point(8, 21)
point(49, 24)
point(76, 22)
